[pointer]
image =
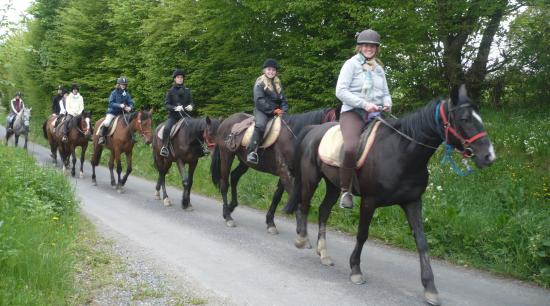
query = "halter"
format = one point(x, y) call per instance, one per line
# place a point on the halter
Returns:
point(448, 128)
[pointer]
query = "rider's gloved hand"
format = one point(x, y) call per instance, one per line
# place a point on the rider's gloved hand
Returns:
point(189, 108)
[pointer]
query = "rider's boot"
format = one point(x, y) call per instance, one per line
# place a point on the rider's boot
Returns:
point(102, 135)
point(164, 150)
point(252, 156)
point(346, 201)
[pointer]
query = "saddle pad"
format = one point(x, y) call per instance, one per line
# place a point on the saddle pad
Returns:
point(331, 148)
point(271, 133)
point(174, 130)
point(112, 128)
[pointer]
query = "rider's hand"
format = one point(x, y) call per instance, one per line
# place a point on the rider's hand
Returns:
point(178, 108)
point(278, 112)
point(386, 108)
point(127, 108)
point(189, 108)
point(370, 107)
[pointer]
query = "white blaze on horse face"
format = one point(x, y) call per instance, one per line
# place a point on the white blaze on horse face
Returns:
point(492, 154)
point(478, 117)
point(87, 124)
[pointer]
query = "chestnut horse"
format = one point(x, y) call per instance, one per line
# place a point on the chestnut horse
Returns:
point(122, 141)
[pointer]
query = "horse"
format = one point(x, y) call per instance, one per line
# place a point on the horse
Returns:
point(395, 172)
point(187, 148)
point(78, 135)
point(20, 126)
point(122, 141)
point(275, 159)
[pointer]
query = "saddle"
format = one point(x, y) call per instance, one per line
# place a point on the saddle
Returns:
point(111, 128)
point(175, 129)
point(331, 148)
point(241, 133)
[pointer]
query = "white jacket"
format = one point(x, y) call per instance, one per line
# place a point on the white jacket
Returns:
point(74, 104)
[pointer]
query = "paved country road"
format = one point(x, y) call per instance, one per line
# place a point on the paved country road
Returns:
point(247, 266)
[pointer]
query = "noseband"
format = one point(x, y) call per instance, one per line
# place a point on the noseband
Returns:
point(449, 128)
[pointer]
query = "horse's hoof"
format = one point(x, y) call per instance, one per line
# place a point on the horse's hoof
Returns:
point(167, 202)
point(157, 195)
point(432, 298)
point(230, 223)
point(114, 187)
point(302, 243)
point(327, 261)
point(120, 190)
point(272, 230)
point(94, 183)
point(357, 279)
point(188, 208)
point(81, 175)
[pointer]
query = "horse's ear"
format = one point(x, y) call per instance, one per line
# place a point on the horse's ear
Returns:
point(454, 94)
point(220, 119)
point(463, 94)
point(208, 121)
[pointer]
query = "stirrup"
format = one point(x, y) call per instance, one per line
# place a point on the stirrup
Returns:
point(346, 201)
point(252, 158)
point(64, 139)
point(164, 151)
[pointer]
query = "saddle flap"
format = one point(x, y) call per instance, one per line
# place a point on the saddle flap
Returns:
point(112, 127)
point(175, 129)
point(272, 131)
point(331, 148)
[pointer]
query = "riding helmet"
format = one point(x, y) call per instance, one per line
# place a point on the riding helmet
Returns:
point(122, 81)
point(18, 94)
point(178, 72)
point(270, 63)
point(368, 37)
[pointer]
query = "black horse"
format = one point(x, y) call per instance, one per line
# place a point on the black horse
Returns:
point(395, 172)
point(187, 148)
point(274, 159)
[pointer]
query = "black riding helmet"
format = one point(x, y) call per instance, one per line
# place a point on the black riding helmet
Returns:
point(122, 81)
point(178, 72)
point(270, 63)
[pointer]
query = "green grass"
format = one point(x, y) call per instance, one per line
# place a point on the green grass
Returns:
point(38, 224)
point(496, 219)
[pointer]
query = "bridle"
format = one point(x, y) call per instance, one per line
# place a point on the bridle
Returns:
point(449, 128)
point(207, 140)
point(139, 126)
point(329, 116)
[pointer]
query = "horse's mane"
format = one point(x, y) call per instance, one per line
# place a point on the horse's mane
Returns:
point(195, 126)
point(144, 116)
point(298, 121)
point(419, 123)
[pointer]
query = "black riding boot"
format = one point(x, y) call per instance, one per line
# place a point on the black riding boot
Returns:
point(102, 135)
point(65, 132)
point(346, 201)
point(164, 150)
point(252, 156)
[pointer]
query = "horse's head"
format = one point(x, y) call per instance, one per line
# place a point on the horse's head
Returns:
point(210, 131)
point(85, 123)
point(143, 125)
point(465, 129)
point(26, 116)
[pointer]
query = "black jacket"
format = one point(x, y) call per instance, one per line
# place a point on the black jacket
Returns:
point(267, 101)
point(177, 95)
point(55, 104)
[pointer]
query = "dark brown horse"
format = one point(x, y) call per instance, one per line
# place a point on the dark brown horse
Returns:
point(186, 148)
point(122, 141)
point(274, 159)
point(78, 136)
point(395, 172)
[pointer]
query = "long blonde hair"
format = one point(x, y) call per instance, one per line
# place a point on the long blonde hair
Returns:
point(268, 84)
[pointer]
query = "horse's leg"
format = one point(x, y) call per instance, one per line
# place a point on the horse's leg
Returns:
point(331, 196)
point(185, 179)
point(413, 211)
point(128, 167)
point(82, 157)
point(16, 140)
point(271, 228)
point(26, 140)
point(72, 149)
point(118, 161)
point(365, 217)
point(111, 167)
point(226, 159)
point(310, 177)
point(186, 201)
point(235, 177)
point(96, 156)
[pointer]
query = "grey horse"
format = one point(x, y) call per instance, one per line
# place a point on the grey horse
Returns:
point(20, 126)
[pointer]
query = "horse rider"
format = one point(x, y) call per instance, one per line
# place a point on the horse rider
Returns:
point(16, 106)
point(178, 102)
point(363, 90)
point(120, 101)
point(269, 101)
point(74, 105)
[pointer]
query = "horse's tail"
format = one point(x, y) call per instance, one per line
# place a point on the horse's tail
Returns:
point(215, 166)
point(294, 198)
point(44, 126)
